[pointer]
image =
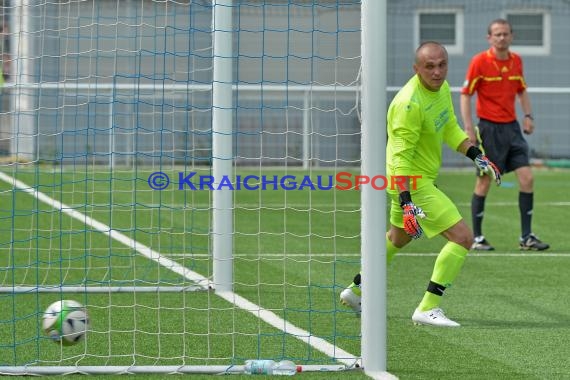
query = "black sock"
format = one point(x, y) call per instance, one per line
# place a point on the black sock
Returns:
point(435, 288)
point(357, 279)
point(477, 209)
point(525, 207)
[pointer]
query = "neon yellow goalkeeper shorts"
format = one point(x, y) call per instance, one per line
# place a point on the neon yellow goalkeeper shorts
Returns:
point(441, 212)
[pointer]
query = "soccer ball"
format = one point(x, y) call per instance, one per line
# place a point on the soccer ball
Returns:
point(66, 322)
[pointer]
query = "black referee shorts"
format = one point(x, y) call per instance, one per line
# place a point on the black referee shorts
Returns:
point(504, 144)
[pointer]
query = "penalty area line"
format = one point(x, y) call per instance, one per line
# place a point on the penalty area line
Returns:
point(280, 256)
point(521, 255)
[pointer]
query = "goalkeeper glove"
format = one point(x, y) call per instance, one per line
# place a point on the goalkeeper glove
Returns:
point(484, 164)
point(411, 212)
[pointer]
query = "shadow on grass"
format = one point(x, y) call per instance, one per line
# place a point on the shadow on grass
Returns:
point(542, 317)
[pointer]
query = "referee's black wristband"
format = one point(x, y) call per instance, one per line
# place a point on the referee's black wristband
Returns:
point(473, 152)
point(405, 197)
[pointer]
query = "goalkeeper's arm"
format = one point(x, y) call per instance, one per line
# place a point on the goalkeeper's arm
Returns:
point(483, 163)
point(410, 214)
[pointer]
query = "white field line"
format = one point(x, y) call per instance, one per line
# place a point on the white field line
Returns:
point(287, 327)
point(106, 230)
point(267, 316)
point(521, 255)
point(308, 205)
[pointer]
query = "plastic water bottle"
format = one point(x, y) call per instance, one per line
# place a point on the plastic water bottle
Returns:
point(286, 368)
point(271, 367)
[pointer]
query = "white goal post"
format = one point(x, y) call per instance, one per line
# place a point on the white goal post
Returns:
point(374, 80)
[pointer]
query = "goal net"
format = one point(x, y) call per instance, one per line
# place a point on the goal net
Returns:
point(172, 166)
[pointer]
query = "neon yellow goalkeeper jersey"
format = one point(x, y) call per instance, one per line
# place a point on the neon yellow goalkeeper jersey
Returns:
point(419, 121)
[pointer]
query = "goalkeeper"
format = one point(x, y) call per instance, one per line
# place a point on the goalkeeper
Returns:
point(420, 119)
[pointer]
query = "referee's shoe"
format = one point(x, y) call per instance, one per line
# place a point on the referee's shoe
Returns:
point(481, 244)
point(532, 243)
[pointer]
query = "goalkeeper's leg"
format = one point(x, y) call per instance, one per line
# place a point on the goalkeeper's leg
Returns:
point(351, 296)
point(447, 266)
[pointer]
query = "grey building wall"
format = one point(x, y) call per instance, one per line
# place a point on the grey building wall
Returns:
point(121, 47)
point(169, 45)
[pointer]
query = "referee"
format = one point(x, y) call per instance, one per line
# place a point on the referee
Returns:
point(496, 75)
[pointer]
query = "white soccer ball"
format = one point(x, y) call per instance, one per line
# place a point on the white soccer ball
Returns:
point(66, 322)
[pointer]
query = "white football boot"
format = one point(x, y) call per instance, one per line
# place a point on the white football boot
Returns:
point(433, 317)
point(349, 298)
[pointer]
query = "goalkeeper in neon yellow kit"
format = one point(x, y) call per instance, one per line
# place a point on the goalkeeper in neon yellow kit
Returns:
point(420, 119)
